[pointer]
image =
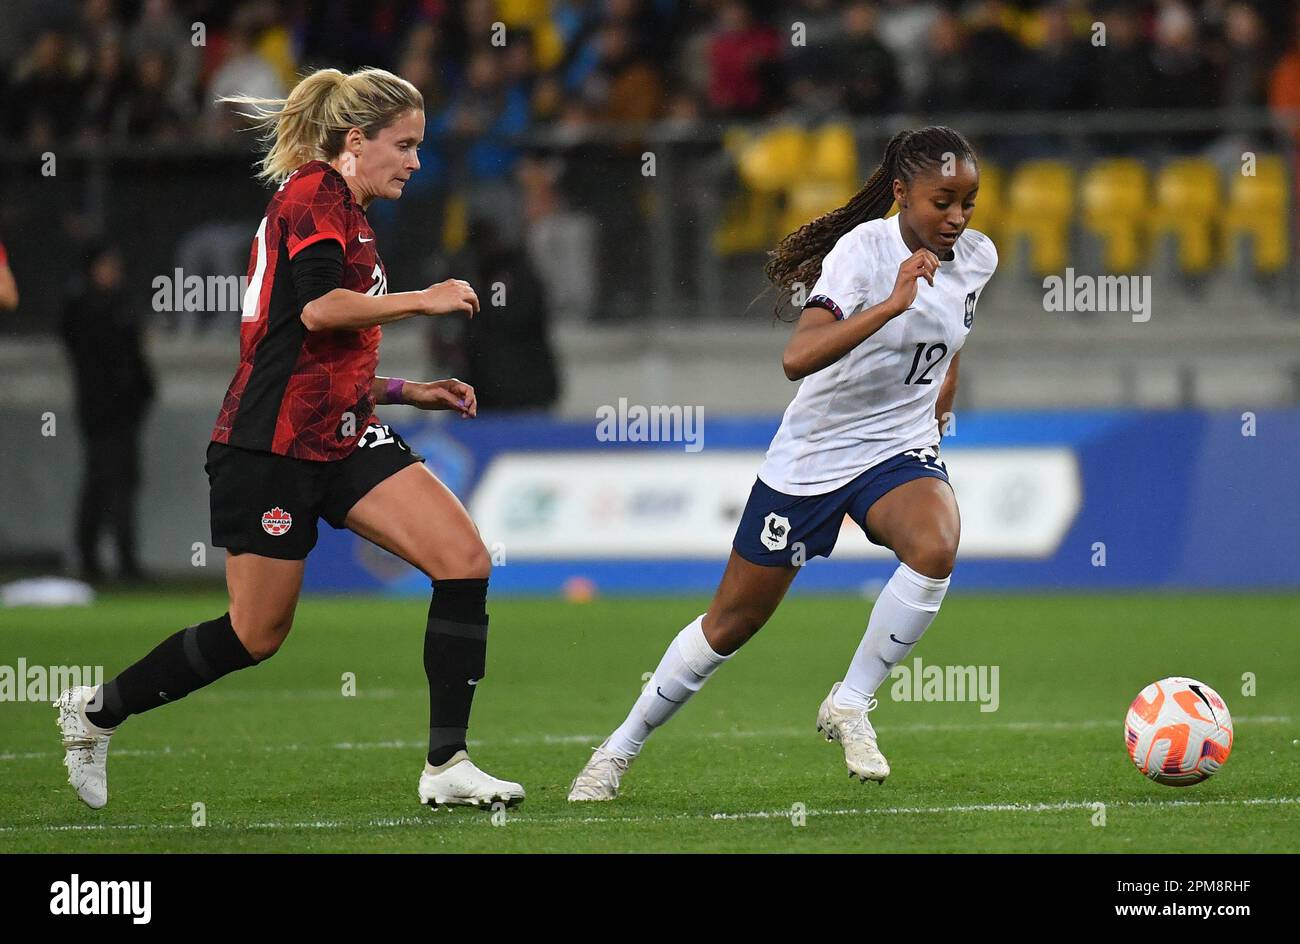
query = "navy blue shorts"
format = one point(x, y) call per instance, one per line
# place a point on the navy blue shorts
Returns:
point(779, 530)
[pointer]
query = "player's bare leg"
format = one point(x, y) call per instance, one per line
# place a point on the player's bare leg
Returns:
point(263, 596)
point(416, 517)
point(919, 521)
point(743, 603)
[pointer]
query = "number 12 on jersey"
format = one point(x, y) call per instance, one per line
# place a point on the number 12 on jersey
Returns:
point(933, 355)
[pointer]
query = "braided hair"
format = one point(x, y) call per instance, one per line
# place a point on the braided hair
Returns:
point(798, 257)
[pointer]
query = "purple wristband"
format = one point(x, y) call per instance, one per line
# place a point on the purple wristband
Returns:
point(393, 390)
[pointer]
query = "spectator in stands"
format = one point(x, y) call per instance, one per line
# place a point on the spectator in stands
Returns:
point(743, 62)
point(1245, 59)
point(243, 71)
point(952, 83)
point(865, 68)
point(1284, 99)
point(148, 112)
point(1184, 75)
point(625, 86)
point(1284, 83)
point(996, 56)
point(110, 86)
point(1055, 76)
point(485, 109)
point(905, 27)
point(46, 98)
point(114, 387)
point(1124, 76)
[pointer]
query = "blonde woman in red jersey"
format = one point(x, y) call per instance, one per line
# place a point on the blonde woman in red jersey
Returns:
point(296, 439)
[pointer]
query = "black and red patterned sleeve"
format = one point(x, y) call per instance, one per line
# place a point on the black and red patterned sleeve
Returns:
point(314, 210)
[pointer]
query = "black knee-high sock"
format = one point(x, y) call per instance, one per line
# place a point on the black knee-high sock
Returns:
point(455, 658)
point(180, 664)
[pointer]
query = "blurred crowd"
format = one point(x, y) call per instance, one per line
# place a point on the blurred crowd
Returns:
point(150, 70)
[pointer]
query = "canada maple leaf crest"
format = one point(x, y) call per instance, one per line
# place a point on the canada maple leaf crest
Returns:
point(276, 521)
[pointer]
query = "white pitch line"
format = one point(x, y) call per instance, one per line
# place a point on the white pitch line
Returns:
point(594, 739)
point(1011, 808)
point(430, 820)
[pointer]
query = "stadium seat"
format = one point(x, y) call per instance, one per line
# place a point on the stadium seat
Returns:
point(806, 201)
point(1257, 212)
point(1115, 196)
point(829, 178)
point(833, 156)
point(1040, 208)
point(747, 225)
point(989, 210)
point(455, 223)
point(1187, 208)
point(775, 161)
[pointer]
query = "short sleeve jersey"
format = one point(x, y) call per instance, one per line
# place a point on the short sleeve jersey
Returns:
point(878, 400)
point(300, 393)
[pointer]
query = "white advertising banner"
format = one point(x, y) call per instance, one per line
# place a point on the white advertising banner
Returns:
point(1015, 503)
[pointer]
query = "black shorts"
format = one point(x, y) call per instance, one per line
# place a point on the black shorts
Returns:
point(267, 504)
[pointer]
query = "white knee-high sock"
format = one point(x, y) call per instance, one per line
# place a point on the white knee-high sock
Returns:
point(685, 667)
point(902, 614)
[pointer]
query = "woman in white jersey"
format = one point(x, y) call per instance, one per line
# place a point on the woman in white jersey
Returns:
point(878, 342)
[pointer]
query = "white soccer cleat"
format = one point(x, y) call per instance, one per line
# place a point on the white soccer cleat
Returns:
point(459, 783)
point(853, 730)
point(85, 748)
point(599, 779)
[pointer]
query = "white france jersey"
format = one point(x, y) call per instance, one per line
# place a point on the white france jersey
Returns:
point(878, 400)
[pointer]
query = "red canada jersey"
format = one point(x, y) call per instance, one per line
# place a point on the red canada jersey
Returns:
point(296, 392)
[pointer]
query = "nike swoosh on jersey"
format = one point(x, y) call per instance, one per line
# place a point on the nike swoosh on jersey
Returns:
point(362, 239)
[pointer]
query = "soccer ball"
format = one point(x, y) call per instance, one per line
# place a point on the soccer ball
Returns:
point(1178, 731)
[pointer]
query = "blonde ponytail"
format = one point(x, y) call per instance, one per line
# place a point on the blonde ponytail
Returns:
point(312, 123)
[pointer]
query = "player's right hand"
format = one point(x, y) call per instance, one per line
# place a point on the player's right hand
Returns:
point(452, 297)
point(922, 264)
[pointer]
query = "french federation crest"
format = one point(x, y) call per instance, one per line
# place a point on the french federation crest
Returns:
point(776, 532)
point(970, 310)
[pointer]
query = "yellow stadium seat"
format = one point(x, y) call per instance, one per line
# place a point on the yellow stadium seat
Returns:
point(747, 224)
point(809, 200)
point(988, 202)
point(1039, 210)
point(1115, 195)
point(774, 161)
point(1257, 210)
point(455, 223)
point(833, 156)
point(1187, 208)
point(522, 13)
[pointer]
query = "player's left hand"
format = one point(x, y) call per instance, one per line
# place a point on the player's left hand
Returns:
point(442, 395)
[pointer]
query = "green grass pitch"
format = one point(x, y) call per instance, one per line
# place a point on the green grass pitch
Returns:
point(283, 761)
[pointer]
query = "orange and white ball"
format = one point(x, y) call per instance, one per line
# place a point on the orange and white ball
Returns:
point(1178, 731)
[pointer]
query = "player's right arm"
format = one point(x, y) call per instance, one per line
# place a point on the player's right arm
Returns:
point(821, 337)
point(346, 310)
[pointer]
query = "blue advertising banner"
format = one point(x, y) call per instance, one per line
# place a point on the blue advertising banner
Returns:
point(1073, 500)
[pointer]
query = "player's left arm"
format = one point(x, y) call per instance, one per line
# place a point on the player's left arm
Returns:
point(450, 394)
point(947, 392)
